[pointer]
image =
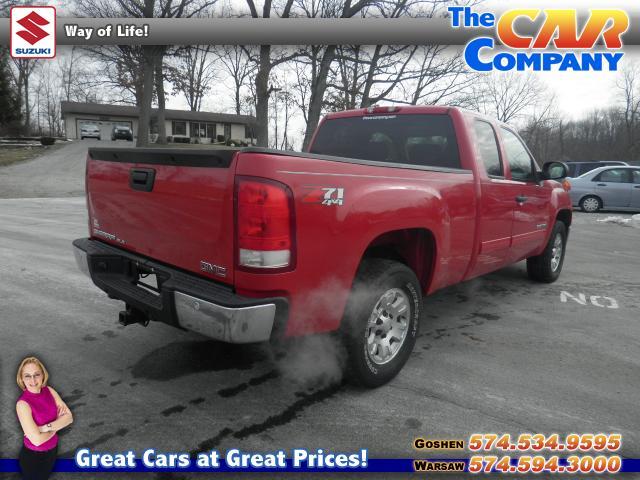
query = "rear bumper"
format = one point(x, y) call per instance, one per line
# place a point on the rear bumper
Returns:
point(183, 299)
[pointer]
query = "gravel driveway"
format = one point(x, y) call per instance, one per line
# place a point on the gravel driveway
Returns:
point(56, 174)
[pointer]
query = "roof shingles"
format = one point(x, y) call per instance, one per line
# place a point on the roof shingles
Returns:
point(129, 111)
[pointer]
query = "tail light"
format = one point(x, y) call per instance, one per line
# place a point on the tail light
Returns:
point(264, 224)
point(566, 185)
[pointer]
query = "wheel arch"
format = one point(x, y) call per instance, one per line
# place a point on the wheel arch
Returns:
point(414, 247)
point(565, 216)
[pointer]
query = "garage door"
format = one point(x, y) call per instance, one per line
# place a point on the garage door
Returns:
point(104, 126)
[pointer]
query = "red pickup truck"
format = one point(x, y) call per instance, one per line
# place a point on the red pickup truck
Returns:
point(390, 203)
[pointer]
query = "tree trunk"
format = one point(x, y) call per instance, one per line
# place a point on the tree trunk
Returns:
point(159, 77)
point(238, 87)
point(262, 96)
point(317, 95)
point(27, 111)
point(147, 97)
point(366, 100)
point(69, 78)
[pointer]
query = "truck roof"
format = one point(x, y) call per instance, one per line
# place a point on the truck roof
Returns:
point(395, 109)
point(411, 109)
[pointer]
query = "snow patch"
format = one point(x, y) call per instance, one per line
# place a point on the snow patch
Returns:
point(633, 221)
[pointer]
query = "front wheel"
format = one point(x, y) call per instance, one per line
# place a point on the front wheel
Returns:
point(547, 266)
point(381, 321)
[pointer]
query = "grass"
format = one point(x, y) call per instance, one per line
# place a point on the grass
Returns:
point(10, 155)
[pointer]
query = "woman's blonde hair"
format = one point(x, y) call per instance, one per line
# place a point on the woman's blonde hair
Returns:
point(37, 363)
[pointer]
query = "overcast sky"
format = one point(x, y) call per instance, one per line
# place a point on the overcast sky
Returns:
point(577, 93)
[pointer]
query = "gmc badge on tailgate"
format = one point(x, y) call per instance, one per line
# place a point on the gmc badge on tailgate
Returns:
point(211, 268)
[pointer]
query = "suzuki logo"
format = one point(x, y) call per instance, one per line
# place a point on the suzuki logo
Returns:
point(33, 33)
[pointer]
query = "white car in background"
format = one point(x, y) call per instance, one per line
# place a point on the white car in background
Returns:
point(607, 188)
point(89, 130)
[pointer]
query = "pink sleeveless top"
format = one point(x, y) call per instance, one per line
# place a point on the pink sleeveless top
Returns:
point(43, 410)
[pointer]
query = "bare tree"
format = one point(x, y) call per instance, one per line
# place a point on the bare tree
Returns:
point(23, 68)
point(538, 132)
point(10, 115)
point(237, 64)
point(51, 101)
point(78, 80)
point(159, 84)
point(364, 76)
point(507, 96)
point(322, 64)
point(437, 76)
point(146, 62)
point(192, 74)
point(629, 85)
point(265, 64)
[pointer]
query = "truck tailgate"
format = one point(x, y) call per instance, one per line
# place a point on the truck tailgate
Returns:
point(172, 205)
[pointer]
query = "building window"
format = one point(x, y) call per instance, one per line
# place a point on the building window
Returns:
point(179, 128)
point(248, 131)
point(203, 130)
point(227, 131)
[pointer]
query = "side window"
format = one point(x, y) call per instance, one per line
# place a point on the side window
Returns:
point(519, 160)
point(488, 148)
point(636, 177)
point(587, 167)
point(615, 175)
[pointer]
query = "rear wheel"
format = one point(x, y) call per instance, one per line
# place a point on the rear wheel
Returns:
point(381, 321)
point(547, 266)
point(590, 204)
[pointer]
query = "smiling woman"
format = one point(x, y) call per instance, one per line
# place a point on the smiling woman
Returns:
point(41, 413)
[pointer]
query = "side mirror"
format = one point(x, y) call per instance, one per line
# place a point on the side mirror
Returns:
point(554, 171)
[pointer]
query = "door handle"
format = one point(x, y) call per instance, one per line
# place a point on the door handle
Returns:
point(602, 184)
point(637, 186)
point(142, 179)
point(521, 199)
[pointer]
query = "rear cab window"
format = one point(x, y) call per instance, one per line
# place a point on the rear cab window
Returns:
point(427, 140)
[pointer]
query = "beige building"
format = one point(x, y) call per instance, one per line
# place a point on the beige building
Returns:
point(204, 127)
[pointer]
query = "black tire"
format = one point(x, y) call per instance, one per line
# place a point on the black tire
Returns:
point(546, 267)
point(379, 281)
point(587, 204)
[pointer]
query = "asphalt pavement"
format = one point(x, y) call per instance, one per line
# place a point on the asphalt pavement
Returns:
point(497, 354)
